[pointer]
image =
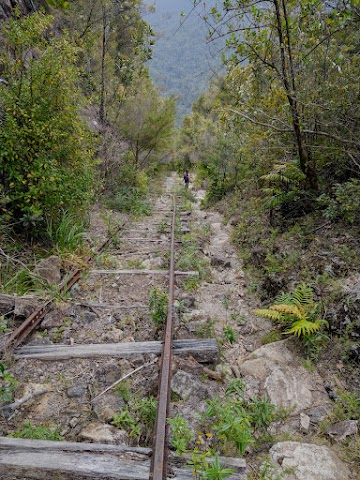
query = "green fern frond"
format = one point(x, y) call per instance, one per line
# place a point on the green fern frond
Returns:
point(275, 177)
point(270, 314)
point(276, 200)
point(304, 327)
point(284, 298)
point(288, 310)
point(299, 304)
point(304, 294)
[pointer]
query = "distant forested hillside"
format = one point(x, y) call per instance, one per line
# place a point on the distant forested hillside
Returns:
point(183, 61)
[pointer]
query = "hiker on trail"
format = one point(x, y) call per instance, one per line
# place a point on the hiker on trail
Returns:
point(186, 179)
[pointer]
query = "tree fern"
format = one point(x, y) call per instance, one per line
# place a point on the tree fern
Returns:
point(297, 310)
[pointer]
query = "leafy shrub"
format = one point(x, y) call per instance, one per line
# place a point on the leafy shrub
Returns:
point(234, 420)
point(137, 418)
point(181, 434)
point(45, 148)
point(343, 203)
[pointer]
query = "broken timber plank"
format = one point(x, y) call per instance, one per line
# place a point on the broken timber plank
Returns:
point(205, 350)
point(48, 460)
point(140, 272)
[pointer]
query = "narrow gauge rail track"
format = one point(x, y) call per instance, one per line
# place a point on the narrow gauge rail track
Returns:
point(22, 332)
point(159, 454)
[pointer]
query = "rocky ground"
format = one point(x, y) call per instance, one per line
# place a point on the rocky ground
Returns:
point(305, 441)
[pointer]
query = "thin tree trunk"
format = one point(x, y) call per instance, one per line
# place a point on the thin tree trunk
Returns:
point(290, 89)
point(102, 93)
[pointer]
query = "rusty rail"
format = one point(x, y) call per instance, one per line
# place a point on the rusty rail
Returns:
point(33, 320)
point(158, 466)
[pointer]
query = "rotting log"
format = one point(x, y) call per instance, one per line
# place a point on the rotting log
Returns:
point(204, 350)
point(50, 460)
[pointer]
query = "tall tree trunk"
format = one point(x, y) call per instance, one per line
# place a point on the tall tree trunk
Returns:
point(290, 88)
point(103, 53)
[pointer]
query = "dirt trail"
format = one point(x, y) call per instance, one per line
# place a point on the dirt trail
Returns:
point(217, 305)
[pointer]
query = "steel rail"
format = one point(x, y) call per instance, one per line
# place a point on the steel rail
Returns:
point(158, 466)
point(33, 320)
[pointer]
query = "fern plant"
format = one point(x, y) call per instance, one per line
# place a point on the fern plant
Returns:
point(297, 311)
point(282, 184)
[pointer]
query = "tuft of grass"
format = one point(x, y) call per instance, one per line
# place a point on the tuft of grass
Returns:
point(158, 306)
point(131, 200)
point(66, 235)
point(37, 432)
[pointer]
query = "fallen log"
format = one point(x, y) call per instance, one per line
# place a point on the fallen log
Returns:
point(50, 460)
point(204, 350)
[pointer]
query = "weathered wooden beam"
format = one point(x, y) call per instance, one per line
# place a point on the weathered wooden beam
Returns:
point(140, 272)
point(111, 305)
point(204, 350)
point(47, 460)
point(143, 239)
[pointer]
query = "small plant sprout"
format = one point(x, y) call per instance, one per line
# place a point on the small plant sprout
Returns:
point(158, 303)
point(8, 384)
point(181, 434)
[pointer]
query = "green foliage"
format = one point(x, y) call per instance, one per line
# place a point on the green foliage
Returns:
point(181, 434)
point(206, 330)
point(130, 200)
point(8, 384)
point(235, 420)
point(230, 334)
point(131, 193)
point(343, 203)
point(146, 122)
point(297, 311)
point(126, 421)
point(137, 418)
point(206, 466)
point(45, 148)
point(189, 260)
point(347, 407)
point(158, 306)
point(67, 235)
point(37, 432)
point(3, 325)
point(273, 336)
point(283, 185)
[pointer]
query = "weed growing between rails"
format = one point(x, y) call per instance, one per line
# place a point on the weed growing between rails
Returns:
point(230, 425)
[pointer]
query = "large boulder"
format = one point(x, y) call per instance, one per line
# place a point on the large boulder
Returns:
point(281, 376)
point(304, 461)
